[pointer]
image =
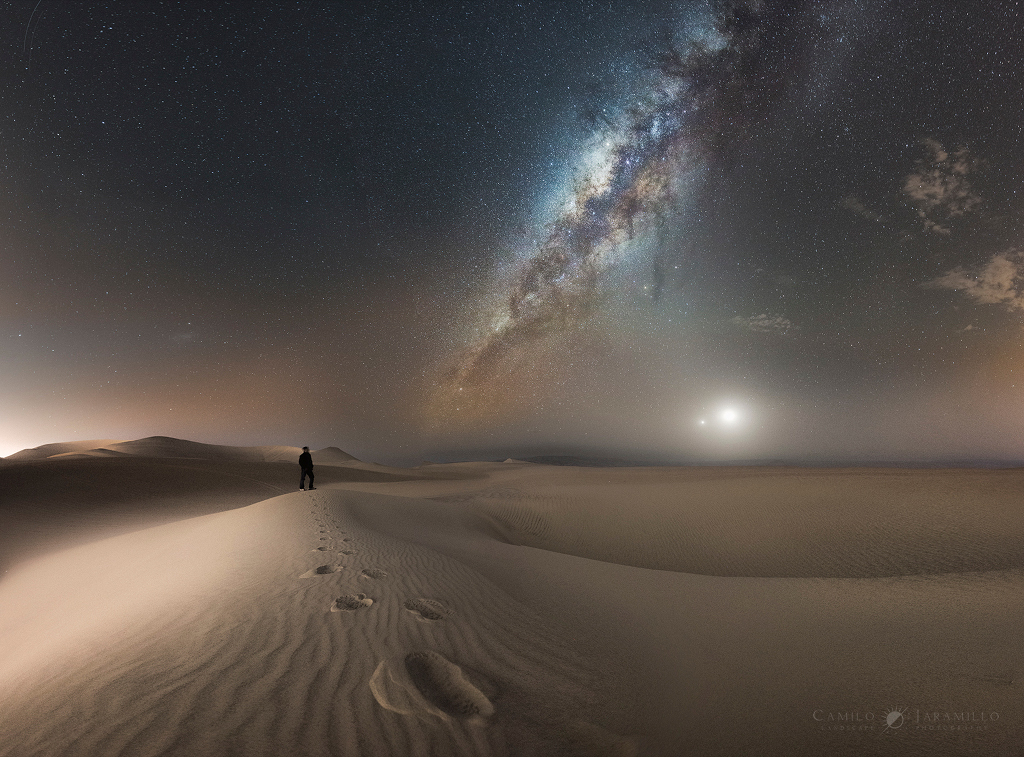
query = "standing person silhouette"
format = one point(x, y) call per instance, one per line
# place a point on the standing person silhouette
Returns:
point(306, 463)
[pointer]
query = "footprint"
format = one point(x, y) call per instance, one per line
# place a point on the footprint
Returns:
point(322, 549)
point(323, 570)
point(442, 683)
point(373, 573)
point(426, 682)
point(427, 609)
point(348, 551)
point(351, 602)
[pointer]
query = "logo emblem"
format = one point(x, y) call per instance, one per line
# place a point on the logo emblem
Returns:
point(894, 719)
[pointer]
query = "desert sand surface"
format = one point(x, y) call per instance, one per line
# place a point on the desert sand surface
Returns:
point(168, 599)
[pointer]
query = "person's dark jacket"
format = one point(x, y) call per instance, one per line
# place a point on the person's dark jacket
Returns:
point(306, 461)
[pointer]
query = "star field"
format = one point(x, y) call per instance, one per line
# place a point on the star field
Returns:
point(442, 229)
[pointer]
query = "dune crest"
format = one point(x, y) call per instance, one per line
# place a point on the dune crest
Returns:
point(275, 651)
point(169, 447)
point(60, 448)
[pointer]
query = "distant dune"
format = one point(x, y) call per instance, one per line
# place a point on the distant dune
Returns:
point(331, 455)
point(60, 448)
point(169, 447)
point(505, 609)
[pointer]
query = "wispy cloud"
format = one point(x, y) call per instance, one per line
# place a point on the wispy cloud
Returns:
point(765, 324)
point(856, 205)
point(939, 187)
point(997, 282)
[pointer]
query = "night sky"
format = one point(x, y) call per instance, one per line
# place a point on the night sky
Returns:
point(689, 230)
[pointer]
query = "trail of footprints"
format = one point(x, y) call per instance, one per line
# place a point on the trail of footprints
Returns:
point(440, 682)
point(425, 681)
point(422, 608)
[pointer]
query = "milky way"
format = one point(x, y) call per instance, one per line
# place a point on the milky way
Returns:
point(702, 98)
point(447, 230)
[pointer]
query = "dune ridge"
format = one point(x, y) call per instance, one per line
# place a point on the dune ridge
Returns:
point(241, 653)
point(59, 448)
point(169, 447)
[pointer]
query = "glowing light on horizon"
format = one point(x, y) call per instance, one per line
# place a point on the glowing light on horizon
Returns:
point(727, 416)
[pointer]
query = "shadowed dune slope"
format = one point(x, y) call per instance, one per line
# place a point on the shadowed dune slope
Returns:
point(285, 628)
point(53, 503)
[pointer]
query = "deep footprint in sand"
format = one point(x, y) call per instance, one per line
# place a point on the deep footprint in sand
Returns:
point(427, 682)
point(427, 609)
point(373, 573)
point(443, 684)
point(323, 570)
point(348, 551)
point(351, 603)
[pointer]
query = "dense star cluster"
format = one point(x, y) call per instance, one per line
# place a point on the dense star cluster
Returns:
point(694, 114)
point(442, 229)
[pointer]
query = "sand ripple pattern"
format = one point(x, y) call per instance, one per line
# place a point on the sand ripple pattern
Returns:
point(253, 658)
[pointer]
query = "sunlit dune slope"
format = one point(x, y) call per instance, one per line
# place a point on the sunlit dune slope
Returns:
point(285, 628)
point(57, 502)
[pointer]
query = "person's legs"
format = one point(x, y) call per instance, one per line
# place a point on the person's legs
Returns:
point(302, 479)
point(311, 480)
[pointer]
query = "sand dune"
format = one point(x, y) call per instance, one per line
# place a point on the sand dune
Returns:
point(169, 447)
point(521, 609)
point(332, 455)
point(59, 502)
point(59, 448)
point(769, 522)
point(237, 633)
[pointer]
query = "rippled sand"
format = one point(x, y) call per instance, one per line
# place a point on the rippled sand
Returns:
point(514, 609)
